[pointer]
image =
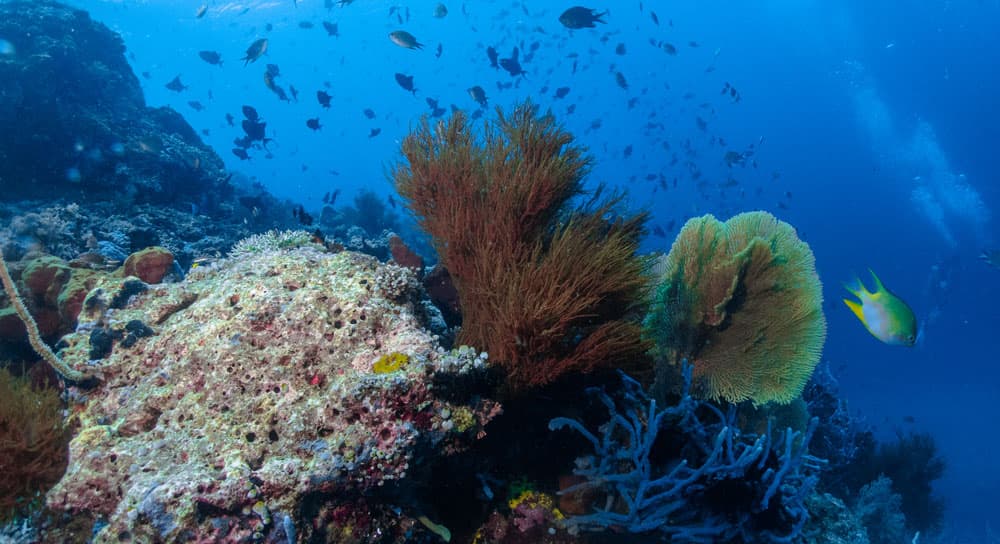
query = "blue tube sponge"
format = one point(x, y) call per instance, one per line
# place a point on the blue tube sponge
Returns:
point(688, 472)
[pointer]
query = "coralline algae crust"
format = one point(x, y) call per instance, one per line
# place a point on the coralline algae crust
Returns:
point(256, 388)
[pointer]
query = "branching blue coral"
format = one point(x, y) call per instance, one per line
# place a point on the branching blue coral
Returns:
point(723, 485)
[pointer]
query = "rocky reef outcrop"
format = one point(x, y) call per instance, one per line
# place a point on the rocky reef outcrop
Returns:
point(73, 120)
point(271, 396)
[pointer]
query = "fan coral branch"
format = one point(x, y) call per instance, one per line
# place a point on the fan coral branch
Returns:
point(742, 301)
point(543, 290)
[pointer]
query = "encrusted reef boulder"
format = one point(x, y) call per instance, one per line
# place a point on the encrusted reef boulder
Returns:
point(275, 396)
point(73, 118)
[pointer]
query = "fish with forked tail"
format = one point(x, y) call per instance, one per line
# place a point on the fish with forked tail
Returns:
point(255, 51)
point(884, 314)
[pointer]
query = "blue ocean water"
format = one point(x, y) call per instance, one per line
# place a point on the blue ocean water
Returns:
point(872, 128)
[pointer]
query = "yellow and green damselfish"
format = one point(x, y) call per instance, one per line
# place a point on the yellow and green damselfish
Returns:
point(884, 314)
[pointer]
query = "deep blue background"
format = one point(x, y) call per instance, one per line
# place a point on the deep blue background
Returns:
point(810, 73)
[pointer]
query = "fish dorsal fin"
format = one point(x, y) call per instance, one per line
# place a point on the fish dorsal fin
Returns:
point(879, 288)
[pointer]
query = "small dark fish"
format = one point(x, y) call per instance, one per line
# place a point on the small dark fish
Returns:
point(620, 49)
point(250, 113)
point(146, 75)
point(440, 11)
point(561, 92)
point(440, 49)
point(195, 105)
point(274, 87)
point(313, 123)
point(374, 132)
point(991, 257)
point(306, 25)
point(478, 94)
point(273, 70)
point(201, 11)
point(230, 119)
point(656, 20)
point(241, 153)
point(512, 65)
point(176, 85)
point(326, 198)
point(491, 53)
point(580, 17)
point(628, 151)
point(324, 98)
point(255, 51)
point(406, 82)
point(658, 231)
point(669, 48)
point(211, 57)
point(254, 130)
point(294, 91)
point(621, 81)
point(392, 201)
point(405, 40)
point(331, 29)
point(370, 113)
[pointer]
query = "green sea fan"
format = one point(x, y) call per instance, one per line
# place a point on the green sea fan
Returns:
point(742, 302)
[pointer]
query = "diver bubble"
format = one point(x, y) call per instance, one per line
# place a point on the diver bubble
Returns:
point(73, 175)
point(117, 148)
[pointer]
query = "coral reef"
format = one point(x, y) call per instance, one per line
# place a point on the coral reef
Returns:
point(688, 473)
point(912, 464)
point(33, 442)
point(879, 509)
point(532, 517)
point(70, 86)
point(253, 408)
point(742, 301)
point(546, 290)
point(54, 290)
point(841, 438)
point(149, 265)
point(832, 522)
point(860, 466)
point(29, 326)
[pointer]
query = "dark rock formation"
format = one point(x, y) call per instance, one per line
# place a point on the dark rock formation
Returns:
point(73, 120)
